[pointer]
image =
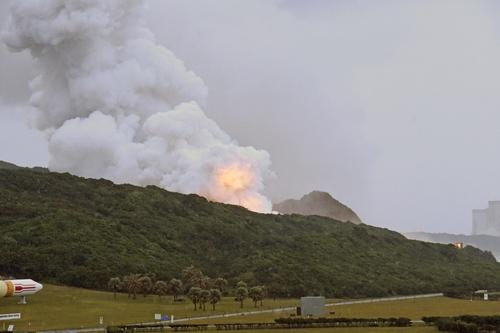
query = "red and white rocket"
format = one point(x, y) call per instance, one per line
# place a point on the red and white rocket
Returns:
point(21, 288)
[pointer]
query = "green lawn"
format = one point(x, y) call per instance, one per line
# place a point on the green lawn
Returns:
point(62, 307)
point(414, 309)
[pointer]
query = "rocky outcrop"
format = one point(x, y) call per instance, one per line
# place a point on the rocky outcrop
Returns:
point(318, 203)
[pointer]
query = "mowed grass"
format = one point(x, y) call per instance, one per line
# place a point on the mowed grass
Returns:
point(413, 309)
point(58, 307)
point(417, 308)
point(63, 307)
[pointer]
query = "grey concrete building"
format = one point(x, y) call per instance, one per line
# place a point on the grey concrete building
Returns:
point(487, 221)
point(312, 306)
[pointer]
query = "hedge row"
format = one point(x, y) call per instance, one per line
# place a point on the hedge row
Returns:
point(281, 323)
point(453, 325)
point(249, 326)
point(347, 322)
point(465, 323)
point(431, 320)
point(481, 320)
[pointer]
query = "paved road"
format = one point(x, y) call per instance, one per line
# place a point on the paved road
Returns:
point(76, 330)
point(385, 299)
point(250, 313)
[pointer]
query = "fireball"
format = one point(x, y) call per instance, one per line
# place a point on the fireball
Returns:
point(235, 183)
point(254, 202)
point(235, 177)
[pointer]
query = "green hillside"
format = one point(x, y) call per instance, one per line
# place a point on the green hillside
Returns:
point(80, 232)
point(9, 166)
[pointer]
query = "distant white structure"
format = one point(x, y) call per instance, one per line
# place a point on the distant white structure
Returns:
point(487, 221)
point(484, 292)
point(312, 306)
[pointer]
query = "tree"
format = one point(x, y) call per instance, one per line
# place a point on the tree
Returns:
point(277, 289)
point(204, 298)
point(125, 284)
point(205, 282)
point(263, 294)
point(241, 292)
point(194, 295)
point(215, 297)
point(175, 287)
point(256, 294)
point(192, 277)
point(115, 285)
point(221, 284)
point(132, 284)
point(145, 285)
point(160, 288)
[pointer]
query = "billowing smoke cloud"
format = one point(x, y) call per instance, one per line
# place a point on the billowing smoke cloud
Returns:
point(117, 105)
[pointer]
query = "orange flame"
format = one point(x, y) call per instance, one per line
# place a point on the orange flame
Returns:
point(253, 203)
point(235, 177)
point(234, 184)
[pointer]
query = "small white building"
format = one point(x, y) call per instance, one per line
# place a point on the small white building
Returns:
point(484, 292)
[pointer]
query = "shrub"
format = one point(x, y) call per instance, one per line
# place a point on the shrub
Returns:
point(346, 322)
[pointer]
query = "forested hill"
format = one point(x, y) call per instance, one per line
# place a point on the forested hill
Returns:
point(65, 229)
point(11, 166)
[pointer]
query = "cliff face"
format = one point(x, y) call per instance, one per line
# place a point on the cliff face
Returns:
point(318, 203)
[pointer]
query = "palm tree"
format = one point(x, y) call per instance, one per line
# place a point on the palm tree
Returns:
point(132, 284)
point(145, 285)
point(192, 277)
point(175, 287)
point(125, 284)
point(263, 294)
point(241, 292)
point(194, 296)
point(205, 282)
point(256, 294)
point(204, 298)
point(221, 284)
point(160, 288)
point(115, 285)
point(215, 297)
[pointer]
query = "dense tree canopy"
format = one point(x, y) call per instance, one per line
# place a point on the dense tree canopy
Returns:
point(82, 232)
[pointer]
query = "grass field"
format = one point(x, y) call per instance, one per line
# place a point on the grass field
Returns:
point(62, 307)
point(413, 309)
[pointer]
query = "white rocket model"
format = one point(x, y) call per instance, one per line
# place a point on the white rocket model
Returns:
point(20, 288)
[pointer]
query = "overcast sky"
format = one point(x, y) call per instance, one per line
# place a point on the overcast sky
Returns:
point(391, 106)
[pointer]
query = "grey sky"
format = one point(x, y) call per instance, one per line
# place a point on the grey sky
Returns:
point(391, 106)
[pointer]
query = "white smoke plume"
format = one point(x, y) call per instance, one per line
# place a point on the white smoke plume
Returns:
point(117, 105)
